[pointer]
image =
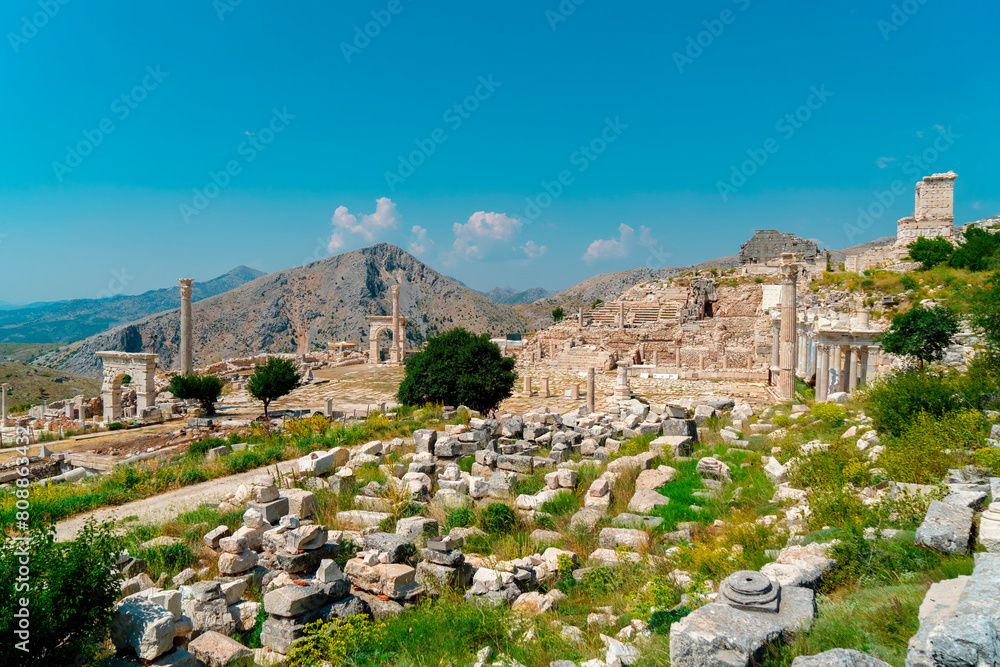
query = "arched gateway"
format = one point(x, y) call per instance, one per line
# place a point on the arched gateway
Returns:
point(141, 367)
point(394, 323)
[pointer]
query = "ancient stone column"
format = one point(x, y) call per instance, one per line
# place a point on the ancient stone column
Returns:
point(527, 387)
point(574, 392)
point(395, 352)
point(3, 400)
point(328, 408)
point(187, 360)
point(591, 390)
point(621, 314)
point(725, 361)
point(786, 377)
point(775, 344)
point(580, 315)
point(864, 318)
point(656, 358)
point(822, 372)
point(863, 366)
point(544, 391)
point(852, 373)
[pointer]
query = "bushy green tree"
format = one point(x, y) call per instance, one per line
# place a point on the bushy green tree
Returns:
point(205, 389)
point(921, 334)
point(273, 379)
point(980, 251)
point(458, 368)
point(894, 400)
point(985, 307)
point(558, 314)
point(71, 589)
point(931, 252)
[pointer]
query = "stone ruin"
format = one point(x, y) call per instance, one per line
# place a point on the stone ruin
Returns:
point(769, 244)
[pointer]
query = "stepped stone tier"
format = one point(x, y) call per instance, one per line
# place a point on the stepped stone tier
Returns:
point(770, 244)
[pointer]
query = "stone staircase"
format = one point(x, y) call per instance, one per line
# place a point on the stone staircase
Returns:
point(582, 358)
point(636, 313)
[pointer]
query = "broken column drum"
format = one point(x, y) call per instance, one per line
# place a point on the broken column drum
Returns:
point(751, 591)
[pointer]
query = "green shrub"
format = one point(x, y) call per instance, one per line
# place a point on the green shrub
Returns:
point(929, 446)
point(545, 522)
point(272, 380)
point(200, 448)
point(908, 282)
point(832, 414)
point(349, 642)
point(72, 590)
point(893, 401)
point(988, 458)
point(921, 334)
point(781, 421)
point(205, 389)
point(498, 518)
point(633, 446)
point(460, 518)
point(170, 558)
point(931, 252)
point(115, 426)
point(563, 503)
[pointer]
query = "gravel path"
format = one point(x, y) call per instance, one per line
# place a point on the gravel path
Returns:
point(159, 509)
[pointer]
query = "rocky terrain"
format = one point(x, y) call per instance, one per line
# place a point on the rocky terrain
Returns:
point(304, 308)
point(68, 321)
point(512, 297)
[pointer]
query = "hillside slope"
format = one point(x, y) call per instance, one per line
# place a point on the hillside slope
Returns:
point(68, 321)
point(303, 308)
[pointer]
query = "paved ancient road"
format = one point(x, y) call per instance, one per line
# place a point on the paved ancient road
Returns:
point(159, 509)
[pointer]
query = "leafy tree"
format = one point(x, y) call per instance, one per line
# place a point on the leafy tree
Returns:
point(985, 309)
point(979, 252)
point(931, 252)
point(596, 303)
point(272, 380)
point(921, 334)
point(558, 314)
point(71, 590)
point(458, 368)
point(203, 388)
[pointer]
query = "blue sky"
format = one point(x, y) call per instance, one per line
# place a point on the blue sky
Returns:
point(675, 128)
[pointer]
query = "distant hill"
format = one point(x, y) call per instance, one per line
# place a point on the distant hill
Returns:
point(68, 321)
point(512, 297)
point(300, 309)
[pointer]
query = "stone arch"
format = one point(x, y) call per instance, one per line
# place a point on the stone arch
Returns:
point(379, 325)
point(141, 367)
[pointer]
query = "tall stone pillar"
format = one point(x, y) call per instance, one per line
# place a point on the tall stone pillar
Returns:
point(187, 360)
point(621, 314)
point(544, 391)
point(852, 373)
point(527, 387)
point(580, 315)
point(3, 399)
point(396, 351)
point(863, 366)
point(591, 390)
point(775, 344)
point(822, 372)
point(786, 376)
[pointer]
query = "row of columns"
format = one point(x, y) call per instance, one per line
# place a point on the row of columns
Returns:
point(574, 389)
point(847, 363)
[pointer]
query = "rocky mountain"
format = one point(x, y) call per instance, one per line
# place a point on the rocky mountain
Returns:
point(509, 296)
point(302, 309)
point(68, 321)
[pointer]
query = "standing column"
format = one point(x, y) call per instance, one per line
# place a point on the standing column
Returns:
point(863, 367)
point(843, 366)
point(3, 400)
point(591, 390)
point(852, 374)
point(822, 372)
point(544, 391)
point(580, 315)
point(395, 351)
point(527, 387)
point(802, 349)
point(187, 363)
point(621, 314)
point(786, 378)
point(776, 344)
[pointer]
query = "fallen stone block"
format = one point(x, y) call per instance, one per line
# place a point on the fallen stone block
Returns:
point(143, 626)
point(946, 528)
point(217, 650)
point(839, 657)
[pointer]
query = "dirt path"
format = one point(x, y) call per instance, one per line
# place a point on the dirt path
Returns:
point(168, 505)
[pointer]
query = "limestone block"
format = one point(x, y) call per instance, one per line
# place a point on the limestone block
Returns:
point(416, 528)
point(611, 538)
point(316, 463)
point(672, 445)
point(776, 472)
point(645, 501)
point(143, 626)
point(839, 657)
point(362, 518)
point(946, 528)
point(212, 538)
point(290, 601)
point(654, 478)
point(301, 503)
point(237, 563)
point(244, 614)
point(218, 650)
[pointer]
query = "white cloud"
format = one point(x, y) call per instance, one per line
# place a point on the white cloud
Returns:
point(492, 228)
point(384, 218)
point(602, 249)
point(883, 162)
point(419, 242)
point(532, 250)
